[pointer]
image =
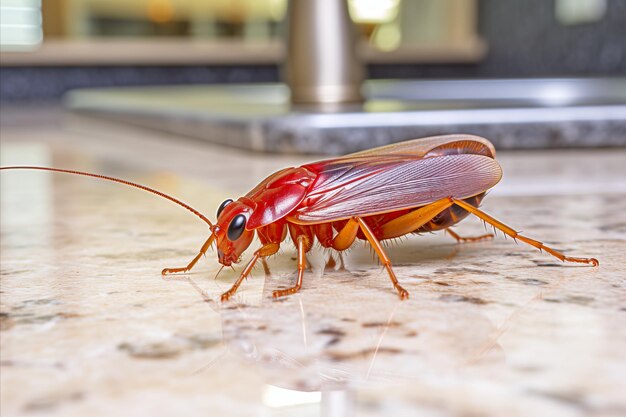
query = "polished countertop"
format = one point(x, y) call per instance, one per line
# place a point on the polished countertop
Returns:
point(90, 327)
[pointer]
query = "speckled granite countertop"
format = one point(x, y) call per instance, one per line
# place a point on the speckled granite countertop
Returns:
point(89, 327)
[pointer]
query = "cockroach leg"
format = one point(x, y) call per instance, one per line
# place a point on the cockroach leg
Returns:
point(191, 264)
point(342, 264)
point(243, 276)
point(302, 249)
point(330, 264)
point(265, 250)
point(348, 233)
point(461, 239)
point(345, 237)
point(413, 220)
point(266, 267)
point(515, 235)
point(402, 293)
point(309, 265)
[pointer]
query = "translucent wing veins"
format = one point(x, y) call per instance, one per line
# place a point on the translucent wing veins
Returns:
point(367, 185)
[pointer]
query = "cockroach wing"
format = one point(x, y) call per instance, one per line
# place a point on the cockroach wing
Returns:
point(462, 143)
point(365, 186)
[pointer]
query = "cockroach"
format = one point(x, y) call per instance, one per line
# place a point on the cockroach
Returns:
point(417, 186)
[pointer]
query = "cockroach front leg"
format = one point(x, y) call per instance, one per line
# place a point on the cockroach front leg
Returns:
point(461, 239)
point(303, 247)
point(191, 264)
point(511, 232)
point(264, 251)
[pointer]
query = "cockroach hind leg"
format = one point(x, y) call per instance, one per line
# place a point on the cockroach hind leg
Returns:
point(516, 235)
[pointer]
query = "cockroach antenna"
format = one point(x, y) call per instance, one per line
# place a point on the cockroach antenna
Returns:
point(130, 184)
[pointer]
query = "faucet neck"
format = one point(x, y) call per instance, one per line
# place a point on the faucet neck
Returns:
point(322, 66)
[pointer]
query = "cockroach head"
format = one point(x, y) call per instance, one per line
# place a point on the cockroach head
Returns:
point(230, 231)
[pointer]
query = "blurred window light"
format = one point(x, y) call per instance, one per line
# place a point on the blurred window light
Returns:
point(373, 11)
point(160, 11)
point(387, 37)
point(574, 12)
point(20, 25)
point(277, 9)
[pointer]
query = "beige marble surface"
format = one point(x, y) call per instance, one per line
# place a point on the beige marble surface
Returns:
point(89, 327)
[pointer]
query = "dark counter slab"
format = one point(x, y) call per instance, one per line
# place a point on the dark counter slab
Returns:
point(514, 114)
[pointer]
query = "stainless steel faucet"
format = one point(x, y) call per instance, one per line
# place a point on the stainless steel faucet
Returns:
point(322, 66)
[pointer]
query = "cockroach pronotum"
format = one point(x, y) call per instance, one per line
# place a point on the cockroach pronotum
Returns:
point(421, 185)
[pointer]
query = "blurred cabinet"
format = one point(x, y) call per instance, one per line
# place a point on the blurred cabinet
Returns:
point(166, 31)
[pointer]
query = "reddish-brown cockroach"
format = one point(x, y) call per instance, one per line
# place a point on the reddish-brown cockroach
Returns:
point(416, 186)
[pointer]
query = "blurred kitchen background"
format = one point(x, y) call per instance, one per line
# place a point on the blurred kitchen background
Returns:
point(555, 54)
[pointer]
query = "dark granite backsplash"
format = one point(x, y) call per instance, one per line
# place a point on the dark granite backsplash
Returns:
point(524, 40)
